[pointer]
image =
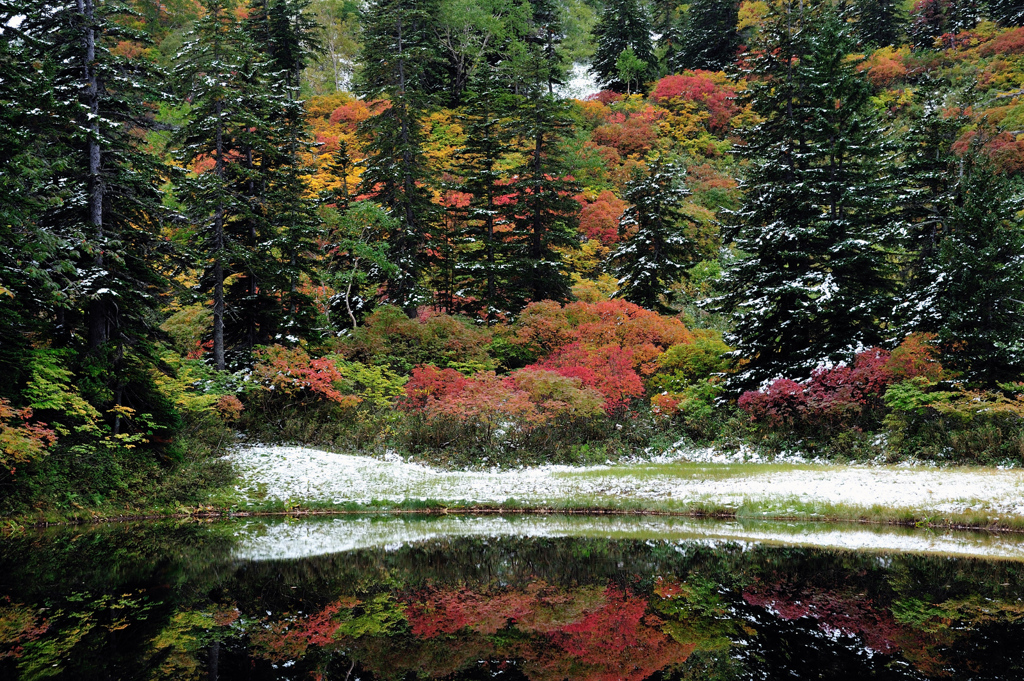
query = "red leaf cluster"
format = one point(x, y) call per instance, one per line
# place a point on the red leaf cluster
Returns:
point(293, 372)
point(705, 88)
point(599, 219)
point(608, 369)
point(840, 394)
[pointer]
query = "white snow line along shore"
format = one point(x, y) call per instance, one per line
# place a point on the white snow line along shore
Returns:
point(304, 475)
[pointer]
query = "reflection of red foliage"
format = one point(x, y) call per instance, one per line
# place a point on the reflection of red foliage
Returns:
point(847, 612)
point(289, 639)
point(619, 641)
point(610, 635)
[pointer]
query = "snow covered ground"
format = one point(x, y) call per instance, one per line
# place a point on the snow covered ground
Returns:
point(306, 475)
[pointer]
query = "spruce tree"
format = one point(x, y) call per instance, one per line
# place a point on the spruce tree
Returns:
point(813, 285)
point(656, 250)
point(708, 39)
point(624, 24)
point(928, 177)
point(113, 205)
point(544, 215)
point(397, 56)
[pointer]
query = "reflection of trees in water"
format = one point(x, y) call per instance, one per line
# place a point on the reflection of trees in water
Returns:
point(169, 602)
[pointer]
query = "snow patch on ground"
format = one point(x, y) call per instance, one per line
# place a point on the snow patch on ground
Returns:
point(310, 475)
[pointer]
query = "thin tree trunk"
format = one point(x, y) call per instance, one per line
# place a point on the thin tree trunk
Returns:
point(98, 333)
point(218, 253)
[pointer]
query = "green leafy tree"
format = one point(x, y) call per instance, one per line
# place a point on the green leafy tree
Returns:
point(657, 251)
point(813, 285)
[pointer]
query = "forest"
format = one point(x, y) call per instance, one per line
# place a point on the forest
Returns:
point(501, 232)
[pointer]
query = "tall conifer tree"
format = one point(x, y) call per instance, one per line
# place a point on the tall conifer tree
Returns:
point(708, 38)
point(813, 287)
point(398, 58)
point(656, 251)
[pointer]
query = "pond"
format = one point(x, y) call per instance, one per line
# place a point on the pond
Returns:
point(511, 597)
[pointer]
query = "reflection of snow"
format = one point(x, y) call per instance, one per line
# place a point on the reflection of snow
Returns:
point(263, 539)
point(310, 475)
point(580, 83)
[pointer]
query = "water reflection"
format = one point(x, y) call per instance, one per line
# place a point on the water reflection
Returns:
point(416, 599)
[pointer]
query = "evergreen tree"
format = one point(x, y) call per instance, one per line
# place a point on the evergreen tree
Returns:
point(708, 39)
point(543, 214)
point(624, 24)
point(483, 273)
point(879, 22)
point(397, 56)
point(34, 262)
point(812, 287)
point(1007, 12)
point(224, 78)
point(286, 35)
point(928, 176)
point(975, 289)
point(656, 250)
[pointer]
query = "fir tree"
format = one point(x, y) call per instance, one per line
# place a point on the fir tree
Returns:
point(545, 214)
point(975, 289)
point(223, 75)
point(397, 56)
point(113, 205)
point(656, 250)
point(1007, 12)
point(708, 39)
point(879, 22)
point(813, 286)
point(624, 24)
point(483, 271)
point(927, 177)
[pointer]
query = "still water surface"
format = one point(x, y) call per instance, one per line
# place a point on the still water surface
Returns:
point(506, 598)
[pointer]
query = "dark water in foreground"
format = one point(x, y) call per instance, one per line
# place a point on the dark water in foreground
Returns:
point(208, 601)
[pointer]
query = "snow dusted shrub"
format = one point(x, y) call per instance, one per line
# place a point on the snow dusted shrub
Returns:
point(839, 397)
point(782, 402)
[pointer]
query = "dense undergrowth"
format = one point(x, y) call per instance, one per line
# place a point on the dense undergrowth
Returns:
point(576, 383)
